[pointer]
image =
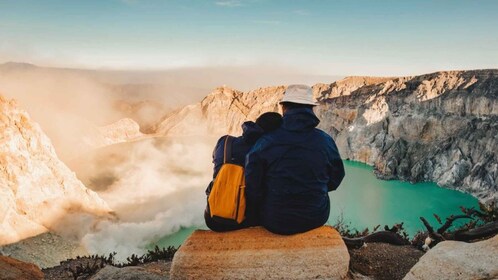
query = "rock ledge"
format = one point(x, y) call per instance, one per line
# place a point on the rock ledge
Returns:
point(255, 253)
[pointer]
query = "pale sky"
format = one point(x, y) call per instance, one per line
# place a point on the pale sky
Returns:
point(382, 38)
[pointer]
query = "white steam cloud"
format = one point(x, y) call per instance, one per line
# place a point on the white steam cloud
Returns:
point(157, 188)
point(68, 107)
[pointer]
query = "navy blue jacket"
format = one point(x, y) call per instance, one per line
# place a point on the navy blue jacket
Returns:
point(241, 145)
point(289, 173)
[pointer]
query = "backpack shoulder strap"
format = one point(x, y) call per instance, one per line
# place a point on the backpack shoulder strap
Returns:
point(227, 158)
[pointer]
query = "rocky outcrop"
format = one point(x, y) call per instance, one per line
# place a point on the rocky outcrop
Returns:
point(458, 260)
point(124, 130)
point(12, 269)
point(127, 273)
point(44, 250)
point(439, 127)
point(222, 111)
point(255, 253)
point(36, 188)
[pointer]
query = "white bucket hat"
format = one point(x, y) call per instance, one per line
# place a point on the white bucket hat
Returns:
point(300, 94)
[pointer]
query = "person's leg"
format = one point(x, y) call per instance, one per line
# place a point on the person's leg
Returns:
point(252, 216)
point(253, 213)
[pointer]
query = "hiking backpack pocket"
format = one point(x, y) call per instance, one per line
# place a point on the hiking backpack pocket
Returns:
point(227, 200)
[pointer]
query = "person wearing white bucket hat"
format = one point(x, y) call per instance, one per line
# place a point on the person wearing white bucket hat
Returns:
point(299, 94)
point(290, 171)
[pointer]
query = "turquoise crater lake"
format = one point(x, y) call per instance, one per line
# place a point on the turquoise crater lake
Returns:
point(365, 201)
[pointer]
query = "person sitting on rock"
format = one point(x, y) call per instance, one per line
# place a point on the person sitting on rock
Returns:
point(239, 147)
point(290, 171)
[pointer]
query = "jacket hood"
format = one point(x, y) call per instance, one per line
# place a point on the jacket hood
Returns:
point(251, 132)
point(301, 119)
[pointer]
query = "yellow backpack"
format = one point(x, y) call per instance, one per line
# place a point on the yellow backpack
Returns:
point(227, 200)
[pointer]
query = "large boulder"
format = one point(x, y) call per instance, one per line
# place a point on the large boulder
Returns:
point(126, 273)
point(121, 131)
point(458, 260)
point(12, 269)
point(255, 253)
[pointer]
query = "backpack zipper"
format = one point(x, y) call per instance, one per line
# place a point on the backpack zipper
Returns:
point(238, 204)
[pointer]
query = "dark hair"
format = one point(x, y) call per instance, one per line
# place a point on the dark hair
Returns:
point(291, 105)
point(269, 121)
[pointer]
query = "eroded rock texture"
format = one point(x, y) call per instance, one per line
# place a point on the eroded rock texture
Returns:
point(121, 131)
point(454, 260)
point(36, 188)
point(12, 269)
point(127, 273)
point(255, 253)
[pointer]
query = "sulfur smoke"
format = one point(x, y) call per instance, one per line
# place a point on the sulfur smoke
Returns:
point(67, 106)
point(156, 187)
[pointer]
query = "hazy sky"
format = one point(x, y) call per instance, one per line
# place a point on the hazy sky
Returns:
point(322, 37)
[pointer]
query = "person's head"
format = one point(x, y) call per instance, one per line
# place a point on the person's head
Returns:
point(290, 105)
point(297, 96)
point(269, 121)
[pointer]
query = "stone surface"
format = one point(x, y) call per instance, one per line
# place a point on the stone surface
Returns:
point(124, 130)
point(455, 260)
point(12, 269)
point(439, 127)
point(44, 250)
point(255, 253)
point(127, 273)
point(36, 188)
point(222, 111)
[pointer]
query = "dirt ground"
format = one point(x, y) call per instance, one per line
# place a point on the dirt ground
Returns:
point(384, 261)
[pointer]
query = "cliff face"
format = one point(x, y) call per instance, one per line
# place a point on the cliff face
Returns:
point(440, 127)
point(36, 188)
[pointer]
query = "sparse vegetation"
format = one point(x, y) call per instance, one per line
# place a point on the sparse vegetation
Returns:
point(483, 223)
point(87, 269)
point(384, 261)
point(83, 267)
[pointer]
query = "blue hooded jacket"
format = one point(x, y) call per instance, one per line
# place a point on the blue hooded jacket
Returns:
point(289, 173)
point(241, 145)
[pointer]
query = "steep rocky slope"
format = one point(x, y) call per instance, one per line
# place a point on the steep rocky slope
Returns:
point(36, 188)
point(440, 127)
